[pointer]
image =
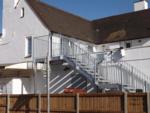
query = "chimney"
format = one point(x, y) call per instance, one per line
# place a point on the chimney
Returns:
point(141, 5)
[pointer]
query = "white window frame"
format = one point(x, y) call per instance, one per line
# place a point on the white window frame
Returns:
point(16, 2)
point(28, 46)
point(22, 12)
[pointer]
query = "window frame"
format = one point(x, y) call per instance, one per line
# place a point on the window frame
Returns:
point(16, 2)
point(28, 46)
point(22, 12)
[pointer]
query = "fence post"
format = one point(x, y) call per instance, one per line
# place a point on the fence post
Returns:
point(77, 103)
point(125, 103)
point(39, 103)
point(8, 103)
point(148, 102)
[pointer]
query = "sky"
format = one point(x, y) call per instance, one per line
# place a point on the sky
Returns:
point(89, 9)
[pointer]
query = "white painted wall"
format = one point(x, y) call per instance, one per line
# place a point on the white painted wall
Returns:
point(12, 44)
point(15, 85)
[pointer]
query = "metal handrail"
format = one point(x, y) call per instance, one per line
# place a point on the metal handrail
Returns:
point(120, 71)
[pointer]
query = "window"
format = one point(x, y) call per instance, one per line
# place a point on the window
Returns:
point(128, 45)
point(16, 2)
point(28, 46)
point(22, 13)
point(139, 41)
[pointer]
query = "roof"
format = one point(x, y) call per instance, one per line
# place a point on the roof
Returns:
point(62, 22)
point(129, 26)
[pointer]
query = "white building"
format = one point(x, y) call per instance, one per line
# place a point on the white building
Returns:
point(109, 53)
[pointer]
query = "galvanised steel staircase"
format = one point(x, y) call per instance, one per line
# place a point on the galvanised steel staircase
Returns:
point(104, 74)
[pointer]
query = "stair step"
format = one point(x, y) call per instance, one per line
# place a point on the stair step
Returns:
point(103, 81)
point(78, 61)
point(72, 57)
point(100, 78)
point(90, 71)
point(83, 64)
point(45, 76)
point(65, 64)
point(86, 68)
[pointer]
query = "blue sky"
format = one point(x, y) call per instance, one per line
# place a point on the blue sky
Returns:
point(89, 9)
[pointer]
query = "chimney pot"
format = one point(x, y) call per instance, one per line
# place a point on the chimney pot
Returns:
point(141, 5)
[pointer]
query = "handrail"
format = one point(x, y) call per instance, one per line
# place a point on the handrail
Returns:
point(129, 74)
point(115, 72)
point(81, 55)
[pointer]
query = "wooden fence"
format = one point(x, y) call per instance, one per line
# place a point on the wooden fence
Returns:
point(75, 103)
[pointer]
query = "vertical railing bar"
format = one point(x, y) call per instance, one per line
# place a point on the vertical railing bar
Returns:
point(49, 70)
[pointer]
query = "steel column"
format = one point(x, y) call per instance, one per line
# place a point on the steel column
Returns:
point(49, 57)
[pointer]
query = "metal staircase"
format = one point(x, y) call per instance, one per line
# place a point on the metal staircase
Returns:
point(100, 72)
point(105, 74)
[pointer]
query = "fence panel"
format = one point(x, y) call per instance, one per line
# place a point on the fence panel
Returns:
point(23, 104)
point(137, 103)
point(72, 103)
point(110, 103)
point(3, 103)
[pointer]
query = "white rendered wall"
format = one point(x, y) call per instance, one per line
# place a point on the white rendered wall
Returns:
point(12, 44)
point(16, 85)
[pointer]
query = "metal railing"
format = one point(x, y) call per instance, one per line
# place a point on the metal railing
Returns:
point(82, 58)
point(114, 72)
point(40, 47)
point(125, 74)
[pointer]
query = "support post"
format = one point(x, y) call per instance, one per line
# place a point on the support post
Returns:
point(125, 102)
point(34, 64)
point(145, 86)
point(148, 102)
point(62, 49)
point(77, 103)
point(34, 75)
point(49, 57)
point(39, 103)
point(121, 77)
point(8, 103)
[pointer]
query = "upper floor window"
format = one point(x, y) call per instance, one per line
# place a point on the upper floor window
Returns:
point(16, 2)
point(22, 13)
point(28, 46)
point(128, 45)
